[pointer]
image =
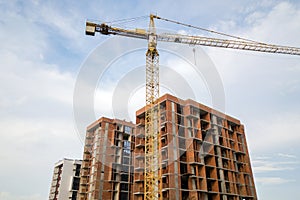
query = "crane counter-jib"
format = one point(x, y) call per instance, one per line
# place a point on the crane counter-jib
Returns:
point(92, 28)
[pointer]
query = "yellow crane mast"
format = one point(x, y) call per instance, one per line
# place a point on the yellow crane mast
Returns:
point(152, 186)
point(152, 177)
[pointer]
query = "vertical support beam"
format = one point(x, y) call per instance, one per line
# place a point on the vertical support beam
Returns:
point(152, 182)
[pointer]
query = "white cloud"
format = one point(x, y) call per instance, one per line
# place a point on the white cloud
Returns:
point(262, 167)
point(103, 99)
point(273, 180)
point(25, 81)
point(24, 40)
point(281, 22)
point(36, 107)
point(278, 26)
point(271, 166)
point(280, 131)
point(24, 74)
point(274, 169)
point(287, 155)
point(9, 196)
point(28, 150)
point(66, 21)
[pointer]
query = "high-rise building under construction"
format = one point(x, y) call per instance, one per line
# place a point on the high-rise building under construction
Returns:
point(203, 154)
point(106, 171)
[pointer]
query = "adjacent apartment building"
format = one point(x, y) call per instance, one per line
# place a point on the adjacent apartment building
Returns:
point(203, 156)
point(65, 180)
point(107, 166)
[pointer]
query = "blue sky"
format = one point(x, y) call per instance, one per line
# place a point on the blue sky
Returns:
point(44, 49)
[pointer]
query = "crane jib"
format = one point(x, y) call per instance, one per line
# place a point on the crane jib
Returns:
point(104, 29)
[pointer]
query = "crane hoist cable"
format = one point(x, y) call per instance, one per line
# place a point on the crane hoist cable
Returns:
point(126, 21)
point(122, 22)
point(207, 30)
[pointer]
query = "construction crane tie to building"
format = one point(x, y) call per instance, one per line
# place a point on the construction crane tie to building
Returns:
point(152, 177)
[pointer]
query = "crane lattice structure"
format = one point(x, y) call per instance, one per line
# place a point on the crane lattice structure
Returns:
point(152, 176)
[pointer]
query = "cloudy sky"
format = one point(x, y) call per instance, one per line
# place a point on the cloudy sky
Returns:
point(44, 54)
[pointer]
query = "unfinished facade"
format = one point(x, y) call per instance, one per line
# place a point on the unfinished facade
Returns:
point(107, 170)
point(65, 180)
point(203, 155)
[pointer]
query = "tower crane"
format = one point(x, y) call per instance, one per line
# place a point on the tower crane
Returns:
point(152, 176)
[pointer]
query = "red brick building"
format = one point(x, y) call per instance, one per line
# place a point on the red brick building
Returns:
point(203, 155)
point(106, 171)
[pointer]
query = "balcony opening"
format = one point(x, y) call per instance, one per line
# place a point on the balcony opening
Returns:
point(181, 142)
point(164, 140)
point(124, 177)
point(181, 131)
point(165, 194)
point(183, 168)
point(179, 109)
point(227, 187)
point(124, 196)
point(125, 137)
point(226, 175)
point(185, 195)
point(182, 156)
